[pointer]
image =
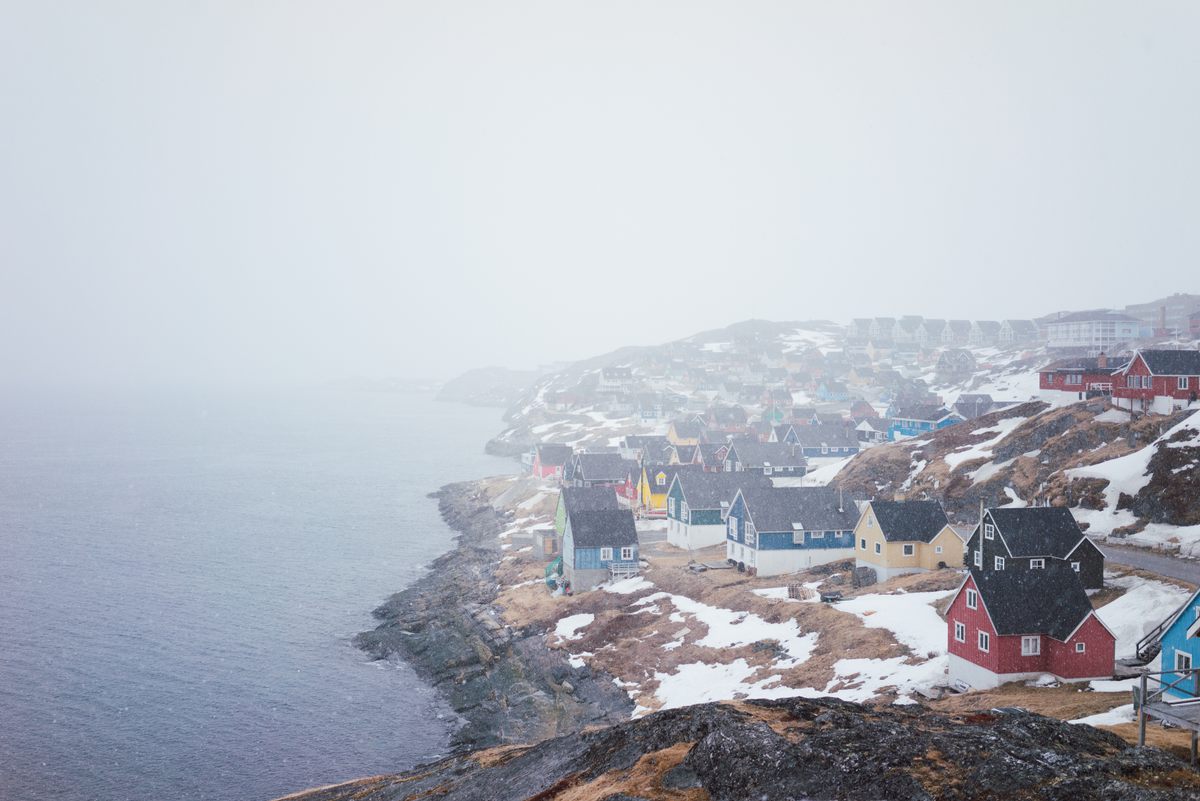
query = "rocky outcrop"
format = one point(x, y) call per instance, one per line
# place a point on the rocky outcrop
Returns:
point(507, 685)
point(802, 749)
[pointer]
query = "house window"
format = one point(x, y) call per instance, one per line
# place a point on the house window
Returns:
point(937, 549)
point(626, 554)
point(683, 512)
point(878, 548)
point(985, 641)
point(1075, 566)
point(766, 471)
point(862, 544)
point(1183, 661)
point(820, 535)
point(1080, 647)
point(1037, 564)
point(671, 506)
point(979, 559)
point(606, 554)
point(960, 632)
point(870, 521)
point(999, 562)
point(989, 531)
point(661, 480)
point(732, 526)
point(972, 599)
point(1031, 646)
point(909, 550)
point(1181, 382)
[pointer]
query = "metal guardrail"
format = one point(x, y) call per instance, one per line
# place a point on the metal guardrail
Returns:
point(1149, 646)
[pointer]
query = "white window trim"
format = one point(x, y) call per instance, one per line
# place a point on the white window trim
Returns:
point(1181, 382)
point(1183, 661)
point(999, 564)
point(960, 632)
point(606, 554)
point(984, 642)
point(670, 506)
point(1080, 647)
point(1075, 566)
point(989, 531)
point(1037, 564)
point(972, 599)
point(862, 543)
point(626, 554)
point(1031, 646)
point(878, 548)
point(910, 550)
point(979, 559)
point(937, 549)
point(820, 535)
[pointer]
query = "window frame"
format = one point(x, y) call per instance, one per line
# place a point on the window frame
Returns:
point(984, 642)
point(979, 559)
point(998, 564)
point(972, 599)
point(627, 553)
point(1080, 647)
point(603, 551)
point(862, 543)
point(960, 631)
point(878, 548)
point(1031, 645)
point(908, 549)
point(1075, 566)
point(989, 531)
point(1182, 382)
point(1185, 656)
point(1037, 564)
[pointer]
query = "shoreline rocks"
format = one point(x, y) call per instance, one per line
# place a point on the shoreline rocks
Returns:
point(506, 685)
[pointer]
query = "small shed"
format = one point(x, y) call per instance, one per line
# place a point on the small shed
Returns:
point(547, 543)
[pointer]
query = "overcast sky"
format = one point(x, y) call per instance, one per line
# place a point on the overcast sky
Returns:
point(215, 190)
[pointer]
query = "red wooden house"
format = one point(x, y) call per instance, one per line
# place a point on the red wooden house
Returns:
point(1159, 381)
point(1078, 378)
point(1007, 626)
point(549, 459)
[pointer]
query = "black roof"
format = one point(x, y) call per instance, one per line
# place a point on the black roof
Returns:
point(923, 411)
point(768, 454)
point(708, 490)
point(688, 429)
point(1086, 364)
point(669, 470)
point(1049, 601)
point(645, 442)
point(603, 467)
point(685, 453)
point(589, 499)
point(791, 508)
point(1172, 362)
point(603, 528)
point(833, 436)
point(549, 453)
point(909, 521)
point(1038, 531)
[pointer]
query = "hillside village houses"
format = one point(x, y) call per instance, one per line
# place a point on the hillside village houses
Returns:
point(898, 537)
point(1159, 381)
point(698, 503)
point(777, 530)
point(598, 546)
point(1016, 540)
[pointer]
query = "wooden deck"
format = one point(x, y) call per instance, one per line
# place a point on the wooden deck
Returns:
point(1175, 703)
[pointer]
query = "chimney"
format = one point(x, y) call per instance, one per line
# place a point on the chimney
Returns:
point(1102, 360)
point(841, 505)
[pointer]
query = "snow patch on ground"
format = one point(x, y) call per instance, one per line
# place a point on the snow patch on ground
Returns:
point(1113, 717)
point(1144, 605)
point(700, 682)
point(863, 679)
point(980, 450)
point(908, 616)
point(628, 586)
point(568, 627)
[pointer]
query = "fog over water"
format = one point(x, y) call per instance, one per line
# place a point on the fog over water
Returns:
point(259, 191)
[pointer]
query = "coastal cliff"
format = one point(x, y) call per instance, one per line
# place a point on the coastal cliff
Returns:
point(799, 749)
point(505, 683)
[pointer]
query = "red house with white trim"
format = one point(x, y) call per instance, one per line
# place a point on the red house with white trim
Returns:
point(1007, 626)
point(1158, 381)
point(1078, 378)
point(550, 459)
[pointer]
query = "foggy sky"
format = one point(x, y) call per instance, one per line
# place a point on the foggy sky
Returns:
point(215, 190)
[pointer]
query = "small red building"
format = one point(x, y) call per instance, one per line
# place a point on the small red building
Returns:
point(1007, 626)
point(1159, 381)
point(549, 459)
point(1078, 378)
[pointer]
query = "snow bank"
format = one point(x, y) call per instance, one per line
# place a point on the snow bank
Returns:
point(700, 682)
point(866, 678)
point(1145, 604)
point(568, 627)
point(628, 586)
point(1113, 717)
point(908, 616)
point(980, 450)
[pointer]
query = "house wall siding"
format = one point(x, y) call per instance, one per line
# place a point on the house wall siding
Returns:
point(1175, 639)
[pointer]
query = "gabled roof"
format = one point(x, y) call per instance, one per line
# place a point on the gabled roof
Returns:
point(1038, 530)
point(767, 454)
point(712, 453)
point(922, 411)
point(795, 508)
point(1022, 326)
point(831, 436)
point(603, 467)
point(589, 499)
point(1171, 362)
point(1050, 601)
point(604, 528)
point(549, 453)
point(645, 442)
point(709, 490)
point(1098, 315)
point(669, 471)
point(685, 453)
point(687, 429)
point(909, 521)
point(1084, 364)
point(781, 431)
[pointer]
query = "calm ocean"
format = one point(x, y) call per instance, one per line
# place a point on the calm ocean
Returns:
point(180, 578)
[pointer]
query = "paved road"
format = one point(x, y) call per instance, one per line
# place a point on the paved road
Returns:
point(1184, 569)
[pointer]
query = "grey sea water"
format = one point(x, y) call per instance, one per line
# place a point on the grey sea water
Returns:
point(180, 577)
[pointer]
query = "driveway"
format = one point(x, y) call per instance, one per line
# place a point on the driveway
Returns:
point(1183, 569)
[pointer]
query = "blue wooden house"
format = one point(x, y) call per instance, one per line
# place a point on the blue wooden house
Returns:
point(1181, 648)
point(776, 530)
point(826, 440)
point(599, 545)
point(913, 421)
point(698, 502)
point(833, 391)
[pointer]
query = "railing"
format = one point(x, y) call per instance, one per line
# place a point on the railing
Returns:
point(1149, 646)
point(1187, 689)
point(623, 570)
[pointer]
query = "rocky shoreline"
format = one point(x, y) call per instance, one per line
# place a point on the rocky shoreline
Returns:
point(507, 685)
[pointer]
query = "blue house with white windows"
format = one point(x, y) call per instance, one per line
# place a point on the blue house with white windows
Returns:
point(913, 421)
point(599, 545)
point(831, 440)
point(1181, 648)
point(775, 530)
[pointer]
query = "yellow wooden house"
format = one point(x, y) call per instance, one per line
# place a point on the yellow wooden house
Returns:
point(685, 432)
point(654, 484)
point(898, 537)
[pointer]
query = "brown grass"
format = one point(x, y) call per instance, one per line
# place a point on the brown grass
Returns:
point(1066, 702)
point(643, 780)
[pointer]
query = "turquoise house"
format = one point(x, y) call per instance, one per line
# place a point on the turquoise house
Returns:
point(1181, 648)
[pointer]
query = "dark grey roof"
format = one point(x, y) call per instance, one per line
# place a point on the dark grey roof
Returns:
point(991, 326)
point(688, 429)
point(959, 326)
point(1025, 326)
point(923, 411)
point(789, 508)
point(645, 442)
point(781, 431)
point(1172, 362)
point(711, 452)
point(753, 453)
point(1049, 601)
point(833, 436)
point(709, 490)
point(909, 521)
point(1084, 364)
point(685, 453)
point(603, 528)
point(589, 499)
point(549, 453)
point(669, 471)
point(603, 467)
point(1038, 531)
